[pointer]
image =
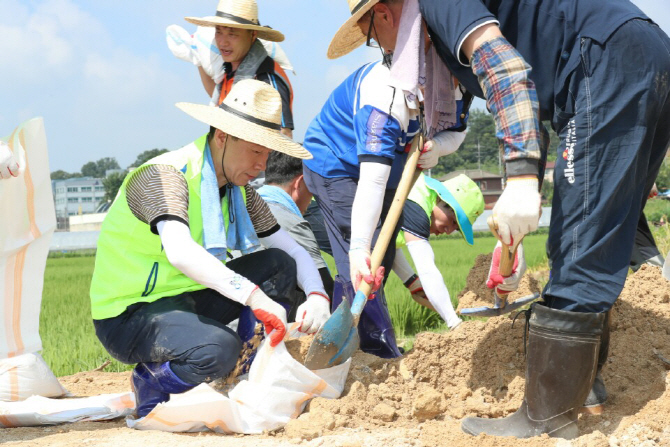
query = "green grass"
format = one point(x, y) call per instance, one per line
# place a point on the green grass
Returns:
point(71, 346)
point(657, 209)
point(66, 327)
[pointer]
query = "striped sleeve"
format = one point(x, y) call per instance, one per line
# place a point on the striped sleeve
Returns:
point(262, 218)
point(158, 192)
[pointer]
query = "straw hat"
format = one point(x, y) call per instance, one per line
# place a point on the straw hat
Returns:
point(251, 112)
point(464, 197)
point(238, 14)
point(349, 36)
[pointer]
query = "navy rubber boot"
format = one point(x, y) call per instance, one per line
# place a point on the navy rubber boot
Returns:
point(152, 384)
point(375, 328)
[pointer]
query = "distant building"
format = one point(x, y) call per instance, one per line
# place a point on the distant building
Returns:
point(89, 222)
point(76, 196)
point(490, 184)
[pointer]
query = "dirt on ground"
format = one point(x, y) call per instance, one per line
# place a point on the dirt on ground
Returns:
point(420, 399)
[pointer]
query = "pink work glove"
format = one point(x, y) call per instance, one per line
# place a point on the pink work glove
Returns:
point(505, 285)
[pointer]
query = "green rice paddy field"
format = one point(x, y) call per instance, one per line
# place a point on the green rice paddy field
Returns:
point(69, 340)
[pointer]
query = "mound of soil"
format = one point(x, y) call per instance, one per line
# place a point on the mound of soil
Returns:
point(419, 400)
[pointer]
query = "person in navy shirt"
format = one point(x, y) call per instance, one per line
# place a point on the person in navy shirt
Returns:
point(600, 73)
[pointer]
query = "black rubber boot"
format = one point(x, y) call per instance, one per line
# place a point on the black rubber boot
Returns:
point(561, 364)
point(595, 401)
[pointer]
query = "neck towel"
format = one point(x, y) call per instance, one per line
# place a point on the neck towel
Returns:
point(421, 76)
point(249, 65)
point(241, 234)
point(277, 195)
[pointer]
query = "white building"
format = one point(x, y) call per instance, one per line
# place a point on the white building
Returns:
point(76, 196)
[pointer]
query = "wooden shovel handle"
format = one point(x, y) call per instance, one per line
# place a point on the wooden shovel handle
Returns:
point(409, 176)
point(507, 255)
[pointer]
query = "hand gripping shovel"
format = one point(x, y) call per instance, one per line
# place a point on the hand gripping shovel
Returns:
point(337, 339)
point(501, 306)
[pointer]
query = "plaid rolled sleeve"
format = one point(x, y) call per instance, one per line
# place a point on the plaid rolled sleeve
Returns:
point(512, 99)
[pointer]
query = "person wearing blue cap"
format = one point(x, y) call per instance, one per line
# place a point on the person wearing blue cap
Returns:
point(435, 207)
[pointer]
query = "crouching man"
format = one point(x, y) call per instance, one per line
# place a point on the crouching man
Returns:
point(162, 292)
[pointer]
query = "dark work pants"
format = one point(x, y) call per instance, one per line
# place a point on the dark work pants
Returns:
point(189, 329)
point(645, 247)
point(335, 197)
point(612, 118)
point(314, 216)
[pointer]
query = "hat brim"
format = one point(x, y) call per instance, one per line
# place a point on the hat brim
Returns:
point(244, 129)
point(263, 31)
point(349, 36)
point(461, 218)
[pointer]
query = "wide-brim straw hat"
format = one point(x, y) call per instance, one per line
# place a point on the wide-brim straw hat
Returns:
point(250, 112)
point(349, 36)
point(238, 14)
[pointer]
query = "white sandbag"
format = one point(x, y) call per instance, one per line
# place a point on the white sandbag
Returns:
point(27, 375)
point(39, 410)
point(27, 224)
point(200, 49)
point(277, 391)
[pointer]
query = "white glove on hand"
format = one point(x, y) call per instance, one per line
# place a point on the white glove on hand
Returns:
point(313, 313)
point(359, 269)
point(507, 284)
point(443, 143)
point(9, 167)
point(517, 211)
point(271, 314)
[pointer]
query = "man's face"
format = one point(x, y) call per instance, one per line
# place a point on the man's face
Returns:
point(233, 43)
point(243, 161)
point(443, 220)
point(383, 31)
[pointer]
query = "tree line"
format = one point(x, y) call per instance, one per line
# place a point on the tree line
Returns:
point(98, 169)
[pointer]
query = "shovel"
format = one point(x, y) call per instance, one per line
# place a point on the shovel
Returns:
point(500, 305)
point(337, 340)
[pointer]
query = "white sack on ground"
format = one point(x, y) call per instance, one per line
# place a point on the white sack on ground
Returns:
point(277, 391)
point(27, 375)
point(27, 224)
point(39, 410)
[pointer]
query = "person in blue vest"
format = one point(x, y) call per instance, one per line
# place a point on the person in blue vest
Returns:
point(359, 141)
point(163, 289)
point(599, 72)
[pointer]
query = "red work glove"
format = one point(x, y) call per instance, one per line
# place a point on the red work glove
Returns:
point(271, 314)
point(508, 284)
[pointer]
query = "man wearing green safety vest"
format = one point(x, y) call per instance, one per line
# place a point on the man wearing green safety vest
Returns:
point(435, 208)
point(163, 289)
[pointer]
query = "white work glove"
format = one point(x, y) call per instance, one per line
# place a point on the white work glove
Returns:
point(270, 313)
point(359, 269)
point(9, 167)
point(443, 143)
point(313, 313)
point(517, 211)
point(507, 284)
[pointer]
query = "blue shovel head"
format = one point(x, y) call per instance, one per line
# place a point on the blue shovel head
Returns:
point(336, 336)
point(338, 339)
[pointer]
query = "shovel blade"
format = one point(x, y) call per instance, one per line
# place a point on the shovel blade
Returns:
point(334, 338)
point(496, 311)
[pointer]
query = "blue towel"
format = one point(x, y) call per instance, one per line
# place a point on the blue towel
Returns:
point(277, 195)
point(241, 234)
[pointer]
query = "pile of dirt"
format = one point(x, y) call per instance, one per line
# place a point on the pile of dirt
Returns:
point(479, 370)
point(476, 294)
point(419, 400)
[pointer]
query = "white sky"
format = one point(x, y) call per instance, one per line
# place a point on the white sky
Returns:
point(101, 75)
